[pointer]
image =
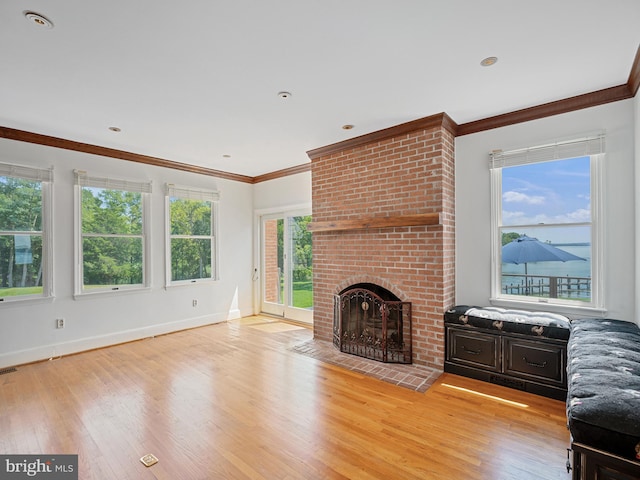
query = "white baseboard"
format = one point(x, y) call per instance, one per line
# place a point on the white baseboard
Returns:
point(46, 352)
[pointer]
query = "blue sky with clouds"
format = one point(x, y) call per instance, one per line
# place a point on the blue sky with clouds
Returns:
point(548, 193)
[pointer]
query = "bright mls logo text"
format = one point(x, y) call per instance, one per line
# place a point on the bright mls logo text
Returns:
point(58, 467)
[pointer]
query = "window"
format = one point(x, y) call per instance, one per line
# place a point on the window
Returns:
point(546, 223)
point(25, 233)
point(191, 235)
point(112, 243)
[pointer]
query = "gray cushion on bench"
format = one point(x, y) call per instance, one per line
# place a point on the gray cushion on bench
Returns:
point(603, 401)
point(537, 324)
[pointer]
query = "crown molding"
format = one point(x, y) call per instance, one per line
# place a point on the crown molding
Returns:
point(579, 102)
point(433, 121)
point(29, 137)
point(593, 99)
point(285, 172)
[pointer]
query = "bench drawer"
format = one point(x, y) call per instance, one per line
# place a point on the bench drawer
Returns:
point(473, 348)
point(535, 360)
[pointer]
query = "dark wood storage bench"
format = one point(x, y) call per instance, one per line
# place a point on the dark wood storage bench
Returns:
point(593, 464)
point(514, 348)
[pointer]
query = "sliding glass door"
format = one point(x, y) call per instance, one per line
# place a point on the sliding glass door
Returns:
point(287, 271)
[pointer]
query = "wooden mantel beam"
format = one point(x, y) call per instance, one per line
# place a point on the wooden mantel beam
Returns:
point(375, 222)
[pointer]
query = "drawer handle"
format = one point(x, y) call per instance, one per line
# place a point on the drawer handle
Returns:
point(472, 352)
point(534, 364)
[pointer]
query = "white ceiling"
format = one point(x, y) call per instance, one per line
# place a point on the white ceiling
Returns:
point(194, 80)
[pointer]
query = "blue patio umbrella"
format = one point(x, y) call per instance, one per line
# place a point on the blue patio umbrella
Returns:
point(530, 250)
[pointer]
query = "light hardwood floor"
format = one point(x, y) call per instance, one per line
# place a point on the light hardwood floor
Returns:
point(232, 401)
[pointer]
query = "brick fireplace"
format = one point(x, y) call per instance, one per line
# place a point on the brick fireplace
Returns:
point(384, 214)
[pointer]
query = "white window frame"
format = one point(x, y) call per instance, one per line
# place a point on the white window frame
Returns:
point(593, 146)
point(82, 179)
point(191, 193)
point(45, 177)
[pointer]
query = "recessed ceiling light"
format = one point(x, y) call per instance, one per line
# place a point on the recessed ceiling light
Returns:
point(347, 127)
point(284, 94)
point(487, 62)
point(38, 20)
point(115, 129)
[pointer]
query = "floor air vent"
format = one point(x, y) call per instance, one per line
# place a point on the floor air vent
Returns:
point(7, 370)
point(508, 382)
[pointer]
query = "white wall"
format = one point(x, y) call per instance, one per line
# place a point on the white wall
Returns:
point(473, 203)
point(27, 332)
point(283, 192)
point(636, 103)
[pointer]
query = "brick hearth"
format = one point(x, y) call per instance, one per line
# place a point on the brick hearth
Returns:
point(388, 176)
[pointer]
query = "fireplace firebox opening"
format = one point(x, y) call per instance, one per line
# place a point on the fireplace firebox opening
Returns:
point(371, 322)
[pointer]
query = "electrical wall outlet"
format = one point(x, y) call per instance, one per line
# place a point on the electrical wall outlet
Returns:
point(194, 302)
point(59, 322)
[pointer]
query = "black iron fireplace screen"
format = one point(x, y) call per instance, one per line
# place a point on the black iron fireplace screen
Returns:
point(370, 326)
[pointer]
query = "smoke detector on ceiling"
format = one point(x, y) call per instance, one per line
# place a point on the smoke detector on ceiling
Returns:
point(38, 20)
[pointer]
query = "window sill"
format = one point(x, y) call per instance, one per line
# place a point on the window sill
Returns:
point(21, 302)
point(191, 283)
point(572, 311)
point(107, 293)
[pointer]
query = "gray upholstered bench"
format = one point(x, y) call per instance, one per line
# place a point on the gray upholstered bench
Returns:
point(603, 401)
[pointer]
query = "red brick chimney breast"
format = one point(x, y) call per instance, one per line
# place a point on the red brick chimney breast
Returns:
point(394, 174)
